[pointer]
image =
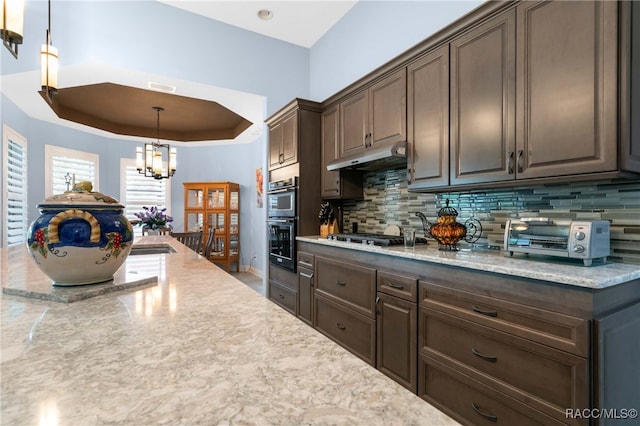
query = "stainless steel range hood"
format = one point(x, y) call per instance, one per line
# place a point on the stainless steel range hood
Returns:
point(378, 157)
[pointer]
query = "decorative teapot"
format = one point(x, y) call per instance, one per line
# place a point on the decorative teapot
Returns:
point(448, 231)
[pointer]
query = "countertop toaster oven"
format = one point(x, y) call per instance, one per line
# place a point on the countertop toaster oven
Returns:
point(577, 239)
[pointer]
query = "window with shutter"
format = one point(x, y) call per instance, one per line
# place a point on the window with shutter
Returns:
point(62, 164)
point(137, 191)
point(14, 192)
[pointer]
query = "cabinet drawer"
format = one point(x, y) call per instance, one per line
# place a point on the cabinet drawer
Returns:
point(305, 260)
point(553, 329)
point(471, 402)
point(283, 296)
point(351, 330)
point(548, 379)
point(346, 283)
point(284, 277)
point(397, 285)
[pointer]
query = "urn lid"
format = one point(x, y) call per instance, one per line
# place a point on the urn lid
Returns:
point(81, 196)
point(447, 211)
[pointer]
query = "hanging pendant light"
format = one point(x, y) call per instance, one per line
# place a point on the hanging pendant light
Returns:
point(12, 21)
point(150, 158)
point(49, 65)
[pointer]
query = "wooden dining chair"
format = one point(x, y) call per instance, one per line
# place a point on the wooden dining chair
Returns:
point(193, 240)
point(208, 247)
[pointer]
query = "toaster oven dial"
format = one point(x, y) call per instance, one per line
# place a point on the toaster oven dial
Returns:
point(580, 235)
point(578, 249)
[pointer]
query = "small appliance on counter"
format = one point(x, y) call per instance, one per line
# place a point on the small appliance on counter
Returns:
point(575, 239)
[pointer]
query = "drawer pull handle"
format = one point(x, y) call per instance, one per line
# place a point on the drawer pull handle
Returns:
point(340, 326)
point(281, 296)
point(489, 417)
point(487, 313)
point(489, 358)
point(342, 283)
point(306, 275)
point(394, 285)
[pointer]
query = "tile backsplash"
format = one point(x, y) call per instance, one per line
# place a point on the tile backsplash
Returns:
point(388, 202)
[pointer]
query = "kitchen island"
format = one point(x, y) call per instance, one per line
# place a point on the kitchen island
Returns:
point(197, 348)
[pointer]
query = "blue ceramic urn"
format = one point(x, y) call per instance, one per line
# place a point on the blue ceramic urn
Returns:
point(80, 237)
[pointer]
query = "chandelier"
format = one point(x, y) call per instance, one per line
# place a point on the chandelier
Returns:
point(151, 160)
point(49, 65)
point(12, 21)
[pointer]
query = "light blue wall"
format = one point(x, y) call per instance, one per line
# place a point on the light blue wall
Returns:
point(372, 33)
point(151, 37)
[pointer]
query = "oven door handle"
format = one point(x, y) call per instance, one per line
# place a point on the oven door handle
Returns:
point(280, 191)
point(280, 220)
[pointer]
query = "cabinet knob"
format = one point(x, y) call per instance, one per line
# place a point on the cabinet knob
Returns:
point(341, 283)
point(340, 326)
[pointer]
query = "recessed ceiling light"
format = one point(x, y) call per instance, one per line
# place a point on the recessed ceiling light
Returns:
point(265, 14)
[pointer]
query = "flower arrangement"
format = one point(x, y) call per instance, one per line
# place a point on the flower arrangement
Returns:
point(154, 218)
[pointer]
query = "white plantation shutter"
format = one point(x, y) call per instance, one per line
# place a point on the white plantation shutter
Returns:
point(83, 166)
point(138, 190)
point(14, 198)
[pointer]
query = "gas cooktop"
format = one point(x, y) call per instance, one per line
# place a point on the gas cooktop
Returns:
point(372, 239)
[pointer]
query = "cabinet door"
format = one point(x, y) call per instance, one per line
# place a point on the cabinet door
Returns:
point(275, 145)
point(482, 103)
point(388, 109)
point(305, 294)
point(397, 337)
point(330, 179)
point(428, 120)
point(617, 361)
point(566, 88)
point(289, 139)
point(353, 123)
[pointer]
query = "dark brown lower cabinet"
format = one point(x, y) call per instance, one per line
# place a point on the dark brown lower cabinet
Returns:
point(282, 288)
point(397, 340)
point(490, 348)
point(470, 401)
point(349, 329)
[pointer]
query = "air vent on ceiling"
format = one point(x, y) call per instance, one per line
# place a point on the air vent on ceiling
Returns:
point(161, 87)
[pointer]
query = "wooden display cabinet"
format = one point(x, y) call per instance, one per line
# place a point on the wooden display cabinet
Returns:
point(215, 205)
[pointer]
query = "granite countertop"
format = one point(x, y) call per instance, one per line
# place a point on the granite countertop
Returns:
point(564, 271)
point(199, 347)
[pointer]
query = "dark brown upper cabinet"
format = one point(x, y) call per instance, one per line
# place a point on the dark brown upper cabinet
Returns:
point(483, 102)
point(567, 88)
point(375, 114)
point(283, 141)
point(428, 120)
point(336, 184)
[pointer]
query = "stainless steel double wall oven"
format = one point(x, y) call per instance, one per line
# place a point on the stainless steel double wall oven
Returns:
point(281, 222)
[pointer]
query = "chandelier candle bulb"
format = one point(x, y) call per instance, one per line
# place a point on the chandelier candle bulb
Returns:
point(172, 160)
point(139, 161)
point(157, 163)
point(148, 155)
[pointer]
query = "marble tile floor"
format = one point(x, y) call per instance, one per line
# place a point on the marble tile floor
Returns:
point(252, 281)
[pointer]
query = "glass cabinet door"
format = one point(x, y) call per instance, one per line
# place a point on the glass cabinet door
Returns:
point(194, 198)
point(233, 226)
point(218, 247)
point(215, 198)
point(234, 200)
point(194, 222)
point(216, 220)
